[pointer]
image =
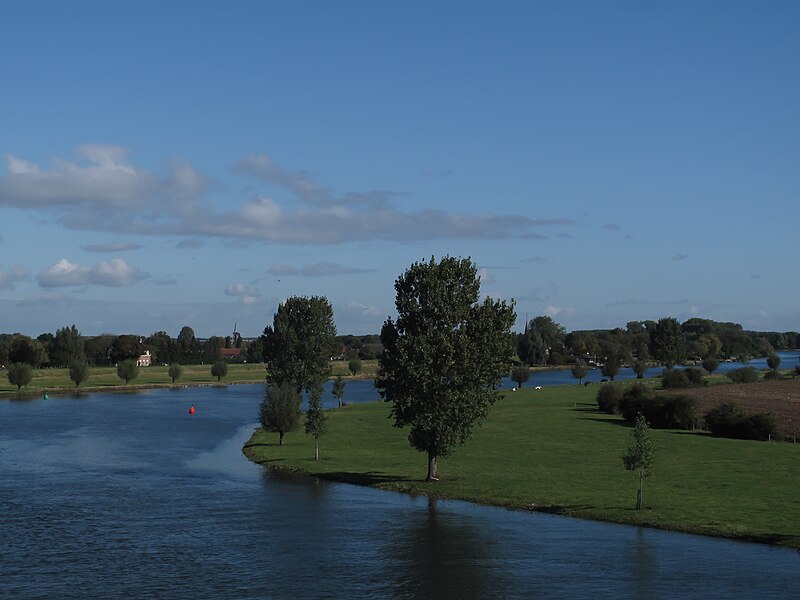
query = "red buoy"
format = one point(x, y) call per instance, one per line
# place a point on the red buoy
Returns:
point(191, 409)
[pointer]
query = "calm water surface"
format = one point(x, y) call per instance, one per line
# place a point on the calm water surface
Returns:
point(112, 495)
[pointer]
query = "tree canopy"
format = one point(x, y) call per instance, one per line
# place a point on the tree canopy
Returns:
point(299, 343)
point(443, 354)
point(667, 343)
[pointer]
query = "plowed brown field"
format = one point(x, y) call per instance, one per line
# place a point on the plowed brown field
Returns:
point(781, 399)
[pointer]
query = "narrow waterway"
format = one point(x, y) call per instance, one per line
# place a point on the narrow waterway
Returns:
point(126, 495)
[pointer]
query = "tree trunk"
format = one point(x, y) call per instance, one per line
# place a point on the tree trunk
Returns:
point(639, 493)
point(316, 449)
point(281, 435)
point(433, 470)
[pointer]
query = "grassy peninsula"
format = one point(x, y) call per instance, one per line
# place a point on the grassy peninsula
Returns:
point(551, 450)
point(104, 379)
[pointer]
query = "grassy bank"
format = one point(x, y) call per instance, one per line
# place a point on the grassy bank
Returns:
point(105, 378)
point(550, 450)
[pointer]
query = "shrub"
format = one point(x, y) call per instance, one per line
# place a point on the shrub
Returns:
point(729, 420)
point(773, 374)
point(660, 410)
point(608, 398)
point(743, 375)
point(674, 379)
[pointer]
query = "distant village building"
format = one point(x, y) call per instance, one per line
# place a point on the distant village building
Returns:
point(145, 360)
point(230, 352)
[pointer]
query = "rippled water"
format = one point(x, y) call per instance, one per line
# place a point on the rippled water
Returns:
point(114, 495)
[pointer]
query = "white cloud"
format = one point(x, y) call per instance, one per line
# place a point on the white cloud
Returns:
point(248, 294)
point(12, 276)
point(104, 191)
point(113, 273)
point(485, 276)
point(564, 313)
point(363, 309)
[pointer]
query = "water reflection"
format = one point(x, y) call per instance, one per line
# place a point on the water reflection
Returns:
point(438, 554)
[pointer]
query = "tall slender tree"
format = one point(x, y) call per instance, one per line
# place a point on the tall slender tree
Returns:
point(297, 350)
point(639, 456)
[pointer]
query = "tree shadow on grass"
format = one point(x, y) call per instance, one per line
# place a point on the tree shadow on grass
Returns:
point(619, 422)
point(367, 478)
point(584, 407)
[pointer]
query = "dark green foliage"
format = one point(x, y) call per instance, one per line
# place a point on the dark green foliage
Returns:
point(710, 364)
point(338, 390)
point(26, 350)
point(666, 342)
point(520, 374)
point(661, 411)
point(608, 398)
point(443, 355)
point(639, 456)
point(127, 370)
point(774, 375)
point(729, 420)
point(611, 366)
point(796, 370)
point(67, 347)
point(300, 342)
point(640, 368)
point(580, 370)
point(675, 379)
point(743, 375)
point(773, 361)
point(175, 371)
point(280, 409)
point(19, 374)
point(79, 372)
point(316, 422)
point(219, 369)
point(125, 347)
point(354, 366)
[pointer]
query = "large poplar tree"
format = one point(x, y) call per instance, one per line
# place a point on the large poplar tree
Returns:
point(443, 354)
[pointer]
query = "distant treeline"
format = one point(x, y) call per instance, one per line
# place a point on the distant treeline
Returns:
point(544, 341)
point(666, 341)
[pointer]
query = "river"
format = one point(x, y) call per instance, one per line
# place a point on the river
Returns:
point(126, 495)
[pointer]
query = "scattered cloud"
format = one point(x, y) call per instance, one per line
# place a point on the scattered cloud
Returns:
point(679, 257)
point(111, 247)
point(553, 311)
point(248, 294)
point(611, 226)
point(320, 269)
point(534, 236)
point(12, 276)
point(565, 235)
point(363, 309)
point(113, 273)
point(485, 276)
point(190, 244)
point(103, 190)
point(282, 270)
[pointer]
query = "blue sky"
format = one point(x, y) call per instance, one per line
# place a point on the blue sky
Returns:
point(194, 163)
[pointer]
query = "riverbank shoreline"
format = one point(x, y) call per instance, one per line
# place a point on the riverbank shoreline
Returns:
point(552, 452)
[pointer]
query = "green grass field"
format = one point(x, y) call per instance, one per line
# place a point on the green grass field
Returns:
point(551, 450)
point(104, 378)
